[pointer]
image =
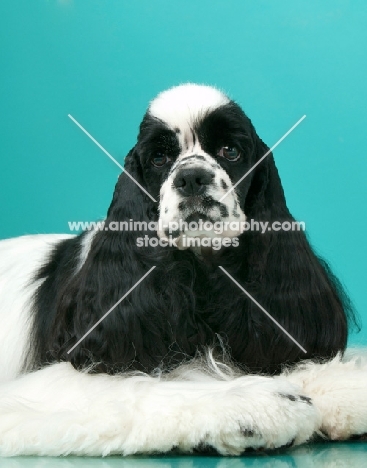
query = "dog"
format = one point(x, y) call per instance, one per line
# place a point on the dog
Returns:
point(175, 327)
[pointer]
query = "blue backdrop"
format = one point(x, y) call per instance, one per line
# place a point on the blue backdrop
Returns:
point(103, 61)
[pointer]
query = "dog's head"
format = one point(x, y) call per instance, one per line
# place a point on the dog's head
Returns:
point(194, 145)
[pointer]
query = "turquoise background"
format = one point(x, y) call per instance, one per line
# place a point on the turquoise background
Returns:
point(102, 61)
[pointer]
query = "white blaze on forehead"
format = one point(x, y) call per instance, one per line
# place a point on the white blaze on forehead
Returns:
point(179, 107)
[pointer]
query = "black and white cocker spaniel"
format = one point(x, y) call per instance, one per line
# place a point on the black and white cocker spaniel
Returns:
point(99, 357)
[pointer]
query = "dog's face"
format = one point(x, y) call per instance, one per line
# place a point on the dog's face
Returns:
point(194, 145)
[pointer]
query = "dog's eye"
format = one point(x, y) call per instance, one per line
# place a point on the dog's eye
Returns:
point(229, 152)
point(160, 160)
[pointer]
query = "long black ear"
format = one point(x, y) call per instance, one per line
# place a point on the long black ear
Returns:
point(282, 272)
point(265, 198)
point(113, 265)
point(129, 199)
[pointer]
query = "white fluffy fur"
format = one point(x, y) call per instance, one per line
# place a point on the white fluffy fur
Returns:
point(19, 259)
point(180, 106)
point(86, 246)
point(338, 389)
point(58, 410)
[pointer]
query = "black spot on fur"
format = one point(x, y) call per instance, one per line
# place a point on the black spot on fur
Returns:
point(223, 211)
point(247, 432)
point(177, 130)
point(306, 399)
point(289, 397)
point(223, 184)
point(166, 210)
point(205, 449)
point(294, 398)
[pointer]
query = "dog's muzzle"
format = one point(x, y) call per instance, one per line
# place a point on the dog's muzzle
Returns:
point(192, 193)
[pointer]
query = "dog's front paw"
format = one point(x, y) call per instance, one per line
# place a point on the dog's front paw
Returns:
point(260, 413)
point(338, 390)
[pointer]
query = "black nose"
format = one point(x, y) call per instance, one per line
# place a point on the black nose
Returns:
point(192, 181)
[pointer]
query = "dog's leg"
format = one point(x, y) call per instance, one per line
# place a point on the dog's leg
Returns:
point(338, 389)
point(58, 410)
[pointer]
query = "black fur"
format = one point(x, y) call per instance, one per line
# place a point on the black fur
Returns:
point(187, 303)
